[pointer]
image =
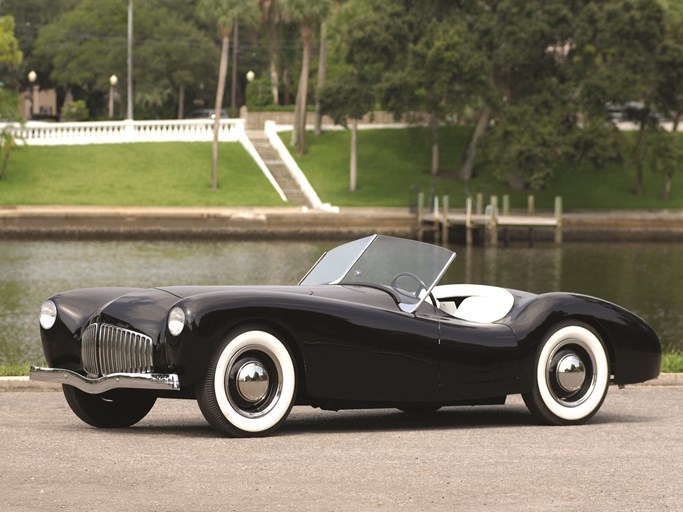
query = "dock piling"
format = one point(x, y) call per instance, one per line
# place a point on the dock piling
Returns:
point(493, 222)
point(468, 220)
point(489, 221)
point(444, 220)
point(420, 215)
point(558, 220)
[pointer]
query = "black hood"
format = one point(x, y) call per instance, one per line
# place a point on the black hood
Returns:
point(143, 311)
point(183, 292)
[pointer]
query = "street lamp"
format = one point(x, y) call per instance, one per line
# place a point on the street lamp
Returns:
point(113, 80)
point(250, 78)
point(129, 78)
point(32, 77)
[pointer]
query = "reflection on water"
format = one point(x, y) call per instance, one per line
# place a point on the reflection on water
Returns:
point(645, 278)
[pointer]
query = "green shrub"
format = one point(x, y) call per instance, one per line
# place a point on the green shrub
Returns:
point(75, 110)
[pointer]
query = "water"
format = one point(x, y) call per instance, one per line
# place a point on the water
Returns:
point(645, 278)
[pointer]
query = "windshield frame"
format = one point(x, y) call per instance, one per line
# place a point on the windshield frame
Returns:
point(380, 261)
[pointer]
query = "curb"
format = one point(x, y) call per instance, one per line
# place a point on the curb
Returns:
point(24, 384)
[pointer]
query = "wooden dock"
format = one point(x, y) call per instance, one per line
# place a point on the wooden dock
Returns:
point(489, 220)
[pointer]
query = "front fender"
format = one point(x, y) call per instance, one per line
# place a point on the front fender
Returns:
point(211, 317)
point(74, 308)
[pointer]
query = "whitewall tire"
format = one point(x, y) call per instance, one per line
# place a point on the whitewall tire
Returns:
point(571, 376)
point(250, 385)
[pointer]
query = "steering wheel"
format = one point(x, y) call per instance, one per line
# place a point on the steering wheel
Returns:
point(410, 275)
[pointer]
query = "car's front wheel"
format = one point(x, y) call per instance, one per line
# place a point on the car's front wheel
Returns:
point(250, 385)
point(571, 376)
point(118, 408)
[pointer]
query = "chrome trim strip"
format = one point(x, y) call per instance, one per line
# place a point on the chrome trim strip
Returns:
point(152, 381)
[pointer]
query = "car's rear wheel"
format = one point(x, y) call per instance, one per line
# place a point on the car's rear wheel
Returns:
point(571, 376)
point(250, 385)
point(118, 408)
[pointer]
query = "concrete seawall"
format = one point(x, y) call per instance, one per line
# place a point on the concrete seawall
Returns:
point(83, 222)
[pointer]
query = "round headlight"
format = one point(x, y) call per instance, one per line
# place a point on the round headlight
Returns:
point(176, 321)
point(48, 314)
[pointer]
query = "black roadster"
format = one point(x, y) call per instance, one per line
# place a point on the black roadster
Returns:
point(367, 327)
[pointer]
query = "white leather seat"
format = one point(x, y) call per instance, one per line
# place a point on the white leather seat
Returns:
point(478, 303)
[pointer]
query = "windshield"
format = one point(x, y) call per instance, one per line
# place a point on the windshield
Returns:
point(409, 268)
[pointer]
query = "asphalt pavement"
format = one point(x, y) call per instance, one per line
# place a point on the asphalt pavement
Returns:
point(629, 457)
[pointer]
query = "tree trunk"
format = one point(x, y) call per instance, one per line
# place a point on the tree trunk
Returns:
point(222, 74)
point(287, 95)
point(233, 82)
point(294, 141)
point(353, 168)
point(322, 64)
point(299, 131)
point(274, 80)
point(273, 53)
point(666, 191)
point(434, 123)
point(181, 101)
point(668, 173)
point(7, 143)
point(639, 159)
point(5, 161)
point(466, 171)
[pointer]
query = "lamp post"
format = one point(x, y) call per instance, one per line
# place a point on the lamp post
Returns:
point(129, 78)
point(113, 80)
point(32, 77)
point(250, 78)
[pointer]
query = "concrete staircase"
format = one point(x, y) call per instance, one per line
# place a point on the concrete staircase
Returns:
point(295, 195)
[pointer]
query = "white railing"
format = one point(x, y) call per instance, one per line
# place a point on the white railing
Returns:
point(270, 129)
point(116, 132)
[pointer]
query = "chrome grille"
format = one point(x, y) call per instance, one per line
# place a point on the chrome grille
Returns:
point(109, 349)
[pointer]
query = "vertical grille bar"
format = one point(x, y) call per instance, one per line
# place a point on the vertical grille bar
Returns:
point(89, 350)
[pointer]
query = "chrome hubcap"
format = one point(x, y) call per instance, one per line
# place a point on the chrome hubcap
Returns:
point(570, 373)
point(252, 381)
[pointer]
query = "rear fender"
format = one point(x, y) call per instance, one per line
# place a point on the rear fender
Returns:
point(633, 347)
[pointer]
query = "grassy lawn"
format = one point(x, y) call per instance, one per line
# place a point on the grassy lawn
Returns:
point(172, 174)
point(672, 363)
point(14, 370)
point(391, 161)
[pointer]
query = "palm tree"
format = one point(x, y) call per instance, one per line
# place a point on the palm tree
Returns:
point(270, 15)
point(223, 14)
point(307, 14)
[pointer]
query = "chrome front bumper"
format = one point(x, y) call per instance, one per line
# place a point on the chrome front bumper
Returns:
point(153, 381)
